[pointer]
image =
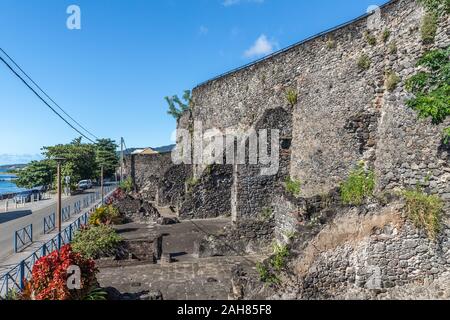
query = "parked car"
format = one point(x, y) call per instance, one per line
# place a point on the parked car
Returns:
point(85, 184)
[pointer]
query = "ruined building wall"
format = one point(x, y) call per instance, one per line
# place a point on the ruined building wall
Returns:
point(344, 114)
point(146, 172)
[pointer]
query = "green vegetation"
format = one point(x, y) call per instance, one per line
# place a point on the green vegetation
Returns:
point(364, 62)
point(105, 215)
point(96, 241)
point(177, 111)
point(386, 35)
point(267, 213)
point(424, 210)
point(191, 183)
point(291, 97)
point(127, 185)
point(82, 161)
point(428, 28)
point(107, 157)
point(331, 43)
point(359, 185)
point(392, 47)
point(432, 88)
point(265, 275)
point(97, 294)
point(37, 173)
point(438, 7)
point(268, 273)
point(293, 186)
point(278, 260)
point(370, 38)
point(391, 80)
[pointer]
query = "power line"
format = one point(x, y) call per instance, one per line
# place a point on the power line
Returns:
point(60, 108)
point(43, 100)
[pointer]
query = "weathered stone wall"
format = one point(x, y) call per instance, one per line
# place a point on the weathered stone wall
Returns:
point(172, 185)
point(146, 172)
point(344, 114)
point(253, 191)
point(389, 258)
point(208, 196)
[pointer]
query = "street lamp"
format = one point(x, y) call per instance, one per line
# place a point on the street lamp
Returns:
point(59, 160)
point(102, 185)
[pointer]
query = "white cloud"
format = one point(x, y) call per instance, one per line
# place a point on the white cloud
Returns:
point(228, 3)
point(203, 30)
point(261, 47)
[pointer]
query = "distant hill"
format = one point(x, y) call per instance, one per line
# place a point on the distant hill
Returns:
point(162, 149)
point(10, 167)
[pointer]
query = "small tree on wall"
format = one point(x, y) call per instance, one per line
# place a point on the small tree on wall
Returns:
point(178, 107)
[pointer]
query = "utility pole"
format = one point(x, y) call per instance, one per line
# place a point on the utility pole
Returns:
point(58, 203)
point(102, 187)
point(121, 159)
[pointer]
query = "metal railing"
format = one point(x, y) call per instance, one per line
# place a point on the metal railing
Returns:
point(23, 238)
point(15, 279)
point(65, 214)
point(49, 223)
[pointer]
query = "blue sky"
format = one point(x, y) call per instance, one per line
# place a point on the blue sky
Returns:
point(113, 74)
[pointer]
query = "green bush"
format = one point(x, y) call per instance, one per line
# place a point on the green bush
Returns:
point(291, 97)
point(265, 275)
point(424, 210)
point(96, 241)
point(293, 186)
point(429, 27)
point(364, 62)
point(438, 7)
point(432, 87)
point(391, 81)
point(359, 185)
point(127, 185)
point(446, 138)
point(278, 260)
point(331, 43)
point(105, 215)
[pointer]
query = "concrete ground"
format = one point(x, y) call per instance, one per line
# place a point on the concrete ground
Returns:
point(187, 278)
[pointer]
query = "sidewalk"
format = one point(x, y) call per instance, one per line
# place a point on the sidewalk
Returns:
point(35, 205)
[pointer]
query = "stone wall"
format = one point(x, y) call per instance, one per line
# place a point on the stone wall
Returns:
point(344, 114)
point(146, 172)
point(208, 196)
point(389, 258)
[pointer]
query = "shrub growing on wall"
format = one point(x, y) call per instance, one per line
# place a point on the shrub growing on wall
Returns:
point(359, 185)
point(432, 87)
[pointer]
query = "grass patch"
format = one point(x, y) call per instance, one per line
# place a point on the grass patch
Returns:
point(364, 62)
point(291, 97)
point(391, 80)
point(392, 47)
point(370, 38)
point(424, 210)
point(428, 28)
point(358, 186)
point(293, 186)
point(386, 35)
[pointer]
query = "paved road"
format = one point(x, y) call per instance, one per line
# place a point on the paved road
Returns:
point(15, 220)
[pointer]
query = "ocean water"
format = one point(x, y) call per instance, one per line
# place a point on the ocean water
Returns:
point(7, 184)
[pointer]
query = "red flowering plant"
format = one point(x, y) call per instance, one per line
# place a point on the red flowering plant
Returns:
point(117, 195)
point(49, 277)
